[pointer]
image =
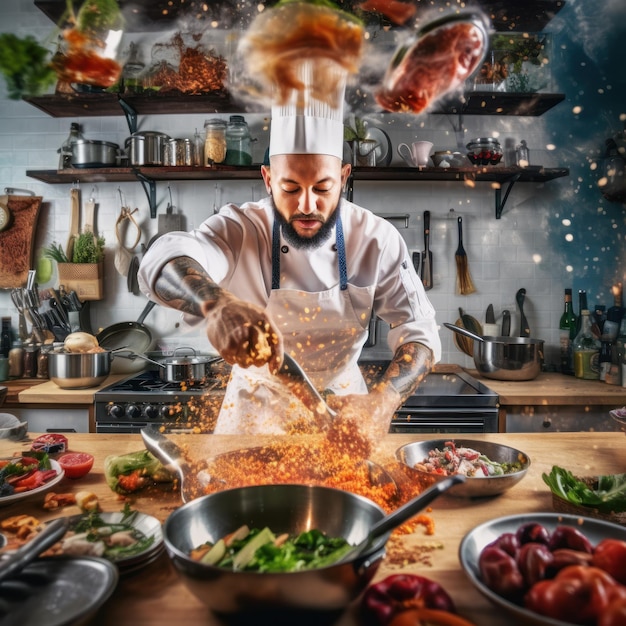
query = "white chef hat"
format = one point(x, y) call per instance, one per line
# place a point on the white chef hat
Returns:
point(310, 120)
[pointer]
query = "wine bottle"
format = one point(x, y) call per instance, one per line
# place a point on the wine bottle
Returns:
point(567, 333)
point(586, 349)
point(582, 305)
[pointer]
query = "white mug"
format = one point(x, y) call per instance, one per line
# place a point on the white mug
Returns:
point(417, 154)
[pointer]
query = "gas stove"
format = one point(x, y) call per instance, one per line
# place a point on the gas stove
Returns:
point(130, 404)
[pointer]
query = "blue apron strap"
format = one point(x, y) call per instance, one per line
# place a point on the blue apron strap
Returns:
point(276, 255)
point(341, 254)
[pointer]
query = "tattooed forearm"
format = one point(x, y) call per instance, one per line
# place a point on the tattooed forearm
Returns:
point(185, 286)
point(409, 366)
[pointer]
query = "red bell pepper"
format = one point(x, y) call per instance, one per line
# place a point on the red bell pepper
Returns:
point(402, 592)
point(578, 594)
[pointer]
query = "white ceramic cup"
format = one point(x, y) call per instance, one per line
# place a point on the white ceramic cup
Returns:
point(417, 154)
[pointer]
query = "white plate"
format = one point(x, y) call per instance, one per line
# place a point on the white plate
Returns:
point(473, 543)
point(145, 524)
point(20, 497)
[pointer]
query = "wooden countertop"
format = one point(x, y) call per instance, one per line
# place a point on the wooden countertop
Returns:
point(155, 596)
point(37, 391)
point(551, 388)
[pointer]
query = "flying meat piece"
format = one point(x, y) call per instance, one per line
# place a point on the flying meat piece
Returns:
point(437, 63)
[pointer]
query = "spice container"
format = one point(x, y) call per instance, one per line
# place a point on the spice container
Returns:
point(42, 362)
point(214, 141)
point(238, 140)
point(16, 360)
point(30, 361)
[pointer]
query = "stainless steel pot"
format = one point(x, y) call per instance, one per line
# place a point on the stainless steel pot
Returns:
point(146, 148)
point(287, 509)
point(176, 369)
point(505, 358)
point(87, 153)
point(79, 371)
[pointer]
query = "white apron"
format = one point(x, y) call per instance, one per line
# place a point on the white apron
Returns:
point(324, 331)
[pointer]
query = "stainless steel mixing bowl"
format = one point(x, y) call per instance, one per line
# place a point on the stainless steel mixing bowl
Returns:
point(284, 509)
point(412, 453)
point(78, 370)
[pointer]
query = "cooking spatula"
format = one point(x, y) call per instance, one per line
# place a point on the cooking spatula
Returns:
point(427, 255)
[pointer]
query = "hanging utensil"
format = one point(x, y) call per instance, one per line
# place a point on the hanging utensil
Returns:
point(123, 254)
point(18, 302)
point(427, 255)
point(464, 282)
point(74, 222)
point(524, 327)
point(506, 323)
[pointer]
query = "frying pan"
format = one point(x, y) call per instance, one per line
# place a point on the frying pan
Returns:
point(134, 336)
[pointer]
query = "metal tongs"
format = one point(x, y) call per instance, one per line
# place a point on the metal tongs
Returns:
point(301, 386)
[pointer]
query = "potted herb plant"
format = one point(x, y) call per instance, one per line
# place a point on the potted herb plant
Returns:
point(84, 271)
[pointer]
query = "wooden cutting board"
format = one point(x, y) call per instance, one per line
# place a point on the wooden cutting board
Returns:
point(17, 241)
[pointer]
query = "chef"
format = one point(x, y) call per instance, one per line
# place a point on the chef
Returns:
point(300, 271)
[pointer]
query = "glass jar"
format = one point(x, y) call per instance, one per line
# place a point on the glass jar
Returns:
point(30, 361)
point(214, 142)
point(238, 142)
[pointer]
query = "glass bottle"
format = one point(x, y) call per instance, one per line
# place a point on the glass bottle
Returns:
point(615, 314)
point(586, 348)
point(5, 337)
point(65, 151)
point(567, 334)
point(582, 305)
point(198, 149)
point(238, 142)
point(214, 142)
point(133, 70)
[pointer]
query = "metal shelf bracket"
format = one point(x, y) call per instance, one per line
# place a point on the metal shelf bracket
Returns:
point(130, 114)
point(500, 201)
point(149, 186)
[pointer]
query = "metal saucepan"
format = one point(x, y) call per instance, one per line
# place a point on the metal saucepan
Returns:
point(73, 370)
point(134, 336)
point(88, 153)
point(505, 358)
point(146, 148)
point(192, 368)
point(287, 509)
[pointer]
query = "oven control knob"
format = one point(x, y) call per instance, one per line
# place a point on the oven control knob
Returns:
point(133, 411)
point(115, 410)
point(150, 411)
point(166, 411)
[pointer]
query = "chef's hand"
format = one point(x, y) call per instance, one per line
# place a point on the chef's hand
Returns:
point(243, 333)
point(363, 418)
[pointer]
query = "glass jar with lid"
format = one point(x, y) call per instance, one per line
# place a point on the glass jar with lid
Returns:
point(238, 142)
point(214, 142)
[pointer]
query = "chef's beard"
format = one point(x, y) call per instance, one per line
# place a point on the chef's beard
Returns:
point(295, 240)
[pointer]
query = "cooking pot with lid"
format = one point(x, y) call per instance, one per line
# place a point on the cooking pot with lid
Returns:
point(146, 147)
point(87, 153)
point(190, 368)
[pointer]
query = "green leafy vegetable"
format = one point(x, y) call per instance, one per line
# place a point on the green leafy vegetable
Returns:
point(262, 551)
point(25, 66)
point(94, 15)
point(609, 496)
point(142, 462)
point(88, 249)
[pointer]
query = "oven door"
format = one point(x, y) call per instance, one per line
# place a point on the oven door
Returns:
point(445, 420)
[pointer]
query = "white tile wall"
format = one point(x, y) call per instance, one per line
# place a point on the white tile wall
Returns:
point(516, 251)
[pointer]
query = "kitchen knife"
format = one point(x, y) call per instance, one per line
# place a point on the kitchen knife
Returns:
point(490, 328)
point(506, 323)
point(427, 255)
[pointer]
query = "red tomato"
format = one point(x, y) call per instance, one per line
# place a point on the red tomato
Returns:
point(610, 555)
point(76, 464)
